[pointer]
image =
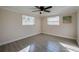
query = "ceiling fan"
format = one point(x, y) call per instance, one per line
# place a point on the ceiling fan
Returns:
point(42, 9)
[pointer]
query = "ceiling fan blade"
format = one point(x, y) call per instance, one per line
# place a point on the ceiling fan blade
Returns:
point(35, 10)
point(48, 7)
point(37, 7)
point(46, 11)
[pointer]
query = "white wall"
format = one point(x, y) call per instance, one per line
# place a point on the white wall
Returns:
point(0, 27)
point(63, 30)
point(12, 28)
point(78, 27)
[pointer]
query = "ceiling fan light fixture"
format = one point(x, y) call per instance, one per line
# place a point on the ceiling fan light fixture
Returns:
point(41, 12)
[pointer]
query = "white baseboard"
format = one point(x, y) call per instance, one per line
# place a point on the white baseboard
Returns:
point(60, 36)
point(6, 42)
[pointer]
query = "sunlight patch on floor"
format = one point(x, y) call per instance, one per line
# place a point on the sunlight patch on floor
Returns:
point(69, 47)
point(28, 48)
point(25, 49)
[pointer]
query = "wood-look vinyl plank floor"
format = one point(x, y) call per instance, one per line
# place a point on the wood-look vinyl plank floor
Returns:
point(41, 43)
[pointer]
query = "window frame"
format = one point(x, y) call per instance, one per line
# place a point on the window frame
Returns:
point(53, 21)
point(27, 23)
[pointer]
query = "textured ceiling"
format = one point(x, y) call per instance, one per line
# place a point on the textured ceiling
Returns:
point(54, 11)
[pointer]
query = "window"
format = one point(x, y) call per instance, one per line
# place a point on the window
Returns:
point(53, 20)
point(28, 20)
